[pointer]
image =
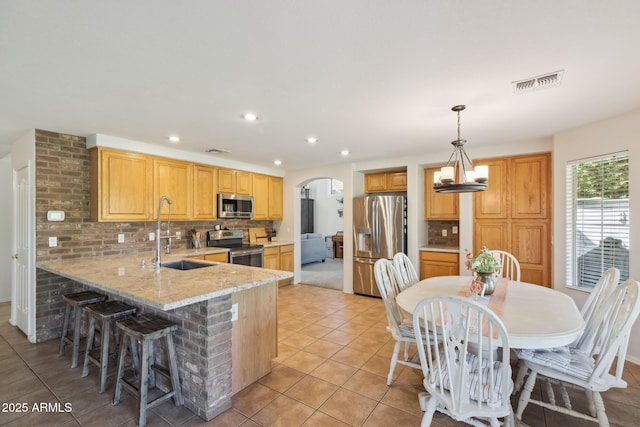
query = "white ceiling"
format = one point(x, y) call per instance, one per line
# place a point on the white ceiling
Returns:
point(375, 77)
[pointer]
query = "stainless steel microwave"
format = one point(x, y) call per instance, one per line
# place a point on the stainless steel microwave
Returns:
point(235, 206)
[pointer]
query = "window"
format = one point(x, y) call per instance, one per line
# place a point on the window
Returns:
point(336, 187)
point(597, 218)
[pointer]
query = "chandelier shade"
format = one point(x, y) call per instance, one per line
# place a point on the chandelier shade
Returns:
point(459, 175)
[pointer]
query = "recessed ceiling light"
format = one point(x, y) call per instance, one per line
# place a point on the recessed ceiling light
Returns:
point(174, 138)
point(312, 140)
point(250, 117)
point(344, 153)
point(277, 162)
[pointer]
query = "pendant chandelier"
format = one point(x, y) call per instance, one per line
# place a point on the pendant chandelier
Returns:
point(459, 175)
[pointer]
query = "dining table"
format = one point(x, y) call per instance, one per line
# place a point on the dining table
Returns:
point(534, 316)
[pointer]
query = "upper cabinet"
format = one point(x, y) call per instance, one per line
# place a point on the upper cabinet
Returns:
point(384, 182)
point(127, 186)
point(204, 192)
point(174, 179)
point(438, 205)
point(121, 186)
point(234, 182)
point(267, 197)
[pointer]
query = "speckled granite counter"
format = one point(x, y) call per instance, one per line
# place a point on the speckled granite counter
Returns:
point(164, 289)
point(211, 348)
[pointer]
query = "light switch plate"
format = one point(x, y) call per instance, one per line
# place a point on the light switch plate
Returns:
point(120, 238)
point(454, 229)
point(152, 236)
point(234, 312)
point(53, 242)
point(444, 232)
point(178, 235)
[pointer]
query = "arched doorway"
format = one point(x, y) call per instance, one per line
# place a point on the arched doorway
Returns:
point(321, 218)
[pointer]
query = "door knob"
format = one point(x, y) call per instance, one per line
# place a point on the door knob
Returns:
point(15, 256)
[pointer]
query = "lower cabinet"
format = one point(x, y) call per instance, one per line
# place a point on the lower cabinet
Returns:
point(279, 258)
point(433, 264)
point(217, 257)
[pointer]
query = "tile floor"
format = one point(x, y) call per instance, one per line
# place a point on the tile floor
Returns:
point(331, 370)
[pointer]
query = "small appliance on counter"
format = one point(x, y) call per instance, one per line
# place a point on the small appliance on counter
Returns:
point(239, 252)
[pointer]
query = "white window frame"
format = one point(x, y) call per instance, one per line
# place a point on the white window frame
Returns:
point(595, 220)
point(333, 189)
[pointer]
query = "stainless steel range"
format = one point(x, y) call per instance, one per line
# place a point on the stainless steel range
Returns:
point(239, 252)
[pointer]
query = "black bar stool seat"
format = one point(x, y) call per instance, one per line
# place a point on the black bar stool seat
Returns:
point(76, 301)
point(146, 329)
point(104, 313)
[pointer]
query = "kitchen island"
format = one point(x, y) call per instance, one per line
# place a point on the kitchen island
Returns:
point(216, 357)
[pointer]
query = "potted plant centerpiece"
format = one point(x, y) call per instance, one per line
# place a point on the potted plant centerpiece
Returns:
point(484, 266)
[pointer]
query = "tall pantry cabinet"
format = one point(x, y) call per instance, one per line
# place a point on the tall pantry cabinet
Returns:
point(514, 213)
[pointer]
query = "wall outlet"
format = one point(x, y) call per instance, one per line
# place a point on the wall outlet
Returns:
point(178, 235)
point(152, 236)
point(234, 312)
point(454, 229)
point(120, 238)
point(444, 232)
point(53, 242)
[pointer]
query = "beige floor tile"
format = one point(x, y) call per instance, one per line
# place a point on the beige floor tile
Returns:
point(253, 398)
point(385, 416)
point(284, 352)
point(311, 391)
point(284, 412)
point(281, 378)
point(379, 365)
point(369, 345)
point(304, 361)
point(320, 419)
point(334, 372)
point(404, 397)
point(316, 331)
point(352, 357)
point(331, 322)
point(229, 418)
point(367, 384)
point(297, 340)
point(349, 407)
point(323, 348)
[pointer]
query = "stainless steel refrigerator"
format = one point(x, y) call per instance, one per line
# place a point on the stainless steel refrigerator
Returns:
point(379, 231)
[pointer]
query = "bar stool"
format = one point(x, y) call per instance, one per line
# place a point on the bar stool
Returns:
point(77, 301)
point(146, 329)
point(104, 313)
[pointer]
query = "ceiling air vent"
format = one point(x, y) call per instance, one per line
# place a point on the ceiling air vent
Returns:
point(216, 151)
point(539, 82)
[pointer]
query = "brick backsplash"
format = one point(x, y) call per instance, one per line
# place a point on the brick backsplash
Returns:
point(435, 233)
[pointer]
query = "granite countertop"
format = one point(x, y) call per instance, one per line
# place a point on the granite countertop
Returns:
point(165, 289)
point(440, 248)
point(278, 243)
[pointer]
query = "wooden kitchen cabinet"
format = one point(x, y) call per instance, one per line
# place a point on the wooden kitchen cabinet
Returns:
point(279, 258)
point(276, 208)
point(271, 258)
point(174, 179)
point(121, 186)
point(204, 192)
point(433, 264)
point(388, 181)
point(437, 205)
point(234, 182)
point(513, 213)
point(286, 257)
point(218, 257)
point(267, 197)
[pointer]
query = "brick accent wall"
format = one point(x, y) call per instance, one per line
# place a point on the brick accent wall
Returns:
point(435, 233)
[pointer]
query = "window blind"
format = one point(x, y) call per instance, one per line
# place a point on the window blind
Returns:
point(597, 218)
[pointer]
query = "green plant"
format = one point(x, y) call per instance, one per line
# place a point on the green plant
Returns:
point(483, 263)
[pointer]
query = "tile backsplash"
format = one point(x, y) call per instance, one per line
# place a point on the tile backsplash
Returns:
point(435, 236)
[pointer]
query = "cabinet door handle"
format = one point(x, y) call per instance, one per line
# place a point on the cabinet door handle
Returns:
point(15, 256)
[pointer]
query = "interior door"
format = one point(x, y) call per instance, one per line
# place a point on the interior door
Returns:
point(22, 306)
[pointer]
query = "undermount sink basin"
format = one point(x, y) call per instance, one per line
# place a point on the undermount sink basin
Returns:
point(185, 265)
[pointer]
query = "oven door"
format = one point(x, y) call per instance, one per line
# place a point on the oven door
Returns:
point(250, 257)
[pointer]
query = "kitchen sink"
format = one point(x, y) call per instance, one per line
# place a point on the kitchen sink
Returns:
point(185, 265)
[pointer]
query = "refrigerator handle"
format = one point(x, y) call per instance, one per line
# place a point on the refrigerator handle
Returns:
point(375, 226)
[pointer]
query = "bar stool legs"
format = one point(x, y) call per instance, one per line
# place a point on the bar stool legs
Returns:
point(105, 313)
point(146, 329)
point(76, 301)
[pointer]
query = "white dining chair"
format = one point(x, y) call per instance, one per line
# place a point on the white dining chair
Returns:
point(464, 383)
point(602, 289)
point(406, 270)
point(401, 328)
point(587, 365)
point(509, 265)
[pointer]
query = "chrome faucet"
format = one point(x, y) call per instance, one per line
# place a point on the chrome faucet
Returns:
point(168, 200)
